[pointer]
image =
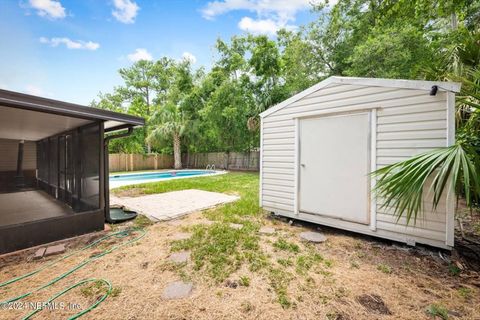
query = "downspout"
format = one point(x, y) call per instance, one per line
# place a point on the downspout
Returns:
point(106, 170)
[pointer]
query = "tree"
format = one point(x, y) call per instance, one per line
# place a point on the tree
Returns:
point(115, 102)
point(395, 53)
point(169, 122)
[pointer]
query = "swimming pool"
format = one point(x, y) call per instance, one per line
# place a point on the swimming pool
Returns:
point(119, 180)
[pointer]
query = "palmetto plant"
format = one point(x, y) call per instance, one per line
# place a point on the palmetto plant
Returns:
point(404, 185)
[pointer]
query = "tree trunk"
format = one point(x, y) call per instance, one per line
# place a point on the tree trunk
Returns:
point(177, 151)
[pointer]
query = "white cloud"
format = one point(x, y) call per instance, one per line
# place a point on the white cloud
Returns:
point(48, 8)
point(33, 90)
point(71, 44)
point(125, 10)
point(189, 57)
point(139, 54)
point(272, 15)
point(259, 26)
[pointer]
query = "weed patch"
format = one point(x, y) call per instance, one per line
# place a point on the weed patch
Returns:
point(454, 270)
point(306, 262)
point(465, 292)
point(244, 281)
point(221, 250)
point(279, 280)
point(284, 245)
point(142, 221)
point(93, 289)
point(384, 268)
point(437, 310)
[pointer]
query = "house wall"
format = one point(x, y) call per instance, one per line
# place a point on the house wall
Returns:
point(409, 122)
point(9, 155)
point(8, 163)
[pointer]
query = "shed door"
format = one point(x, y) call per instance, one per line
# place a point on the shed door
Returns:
point(334, 166)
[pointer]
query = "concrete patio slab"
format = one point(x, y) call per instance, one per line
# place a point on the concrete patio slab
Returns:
point(171, 205)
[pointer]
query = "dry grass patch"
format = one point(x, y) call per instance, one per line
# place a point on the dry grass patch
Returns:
point(240, 274)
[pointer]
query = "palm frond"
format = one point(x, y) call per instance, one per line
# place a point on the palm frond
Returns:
point(404, 185)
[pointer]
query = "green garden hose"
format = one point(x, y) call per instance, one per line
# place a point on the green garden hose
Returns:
point(119, 234)
point(81, 313)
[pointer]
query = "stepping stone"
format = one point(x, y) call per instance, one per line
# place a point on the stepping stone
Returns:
point(56, 249)
point(39, 253)
point(177, 290)
point(236, 226)
point(315, 237)
point(180, 257)
point(182, 236)
point(266, 230)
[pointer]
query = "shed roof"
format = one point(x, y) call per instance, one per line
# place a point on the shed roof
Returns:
point(374, 82)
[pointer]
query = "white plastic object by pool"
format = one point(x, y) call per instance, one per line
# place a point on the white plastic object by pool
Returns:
point(319, 146)
point(119, 180)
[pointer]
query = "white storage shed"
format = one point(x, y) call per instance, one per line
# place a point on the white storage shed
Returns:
point(319, 146)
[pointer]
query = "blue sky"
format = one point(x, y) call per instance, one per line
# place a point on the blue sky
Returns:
point(71, 50)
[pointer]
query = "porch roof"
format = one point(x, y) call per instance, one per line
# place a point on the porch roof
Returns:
point(28, 117)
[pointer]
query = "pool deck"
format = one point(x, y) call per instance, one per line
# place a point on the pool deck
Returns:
point(172, 205)
point(116, 184)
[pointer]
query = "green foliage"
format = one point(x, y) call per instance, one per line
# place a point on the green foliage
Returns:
point(244, 281)
point(384, 268)
point(188, 110)
point(219, 250)
point(402, 185)
point(279, 280)
point(218, 110)
point(93, 289)
point(284, 245)
point(453, 270)
point(391, 53)
point(285, 262)
point(437, 310)
point(307, 261)
point(465, 292)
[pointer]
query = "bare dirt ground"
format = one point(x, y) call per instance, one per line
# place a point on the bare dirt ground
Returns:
point(360, 278)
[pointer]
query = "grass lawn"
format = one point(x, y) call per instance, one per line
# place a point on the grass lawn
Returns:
point(218, 250)
point(242, 274)
point(243, 184)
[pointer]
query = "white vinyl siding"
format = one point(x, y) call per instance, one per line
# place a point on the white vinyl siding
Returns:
point(409, 122)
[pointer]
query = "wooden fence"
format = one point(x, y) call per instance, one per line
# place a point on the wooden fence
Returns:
point(223, 160)
point(134, 162)
point(248, 161)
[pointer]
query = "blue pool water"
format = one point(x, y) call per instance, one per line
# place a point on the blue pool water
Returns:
point(158, 175)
